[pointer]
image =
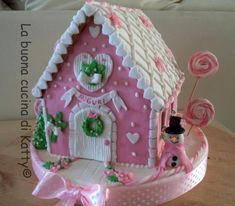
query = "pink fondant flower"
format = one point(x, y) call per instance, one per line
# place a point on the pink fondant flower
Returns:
point(160, 64)
point(64, 164)
point(106, 142)
point(115, 20)
point(124, 177)
point(89, 1)
point(203, 64)
point(92, 115)
point(199, 112)
point(147, 23)
point(55, 168)
point(109, 172)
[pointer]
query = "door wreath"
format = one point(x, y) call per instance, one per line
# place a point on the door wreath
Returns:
point(93, 125)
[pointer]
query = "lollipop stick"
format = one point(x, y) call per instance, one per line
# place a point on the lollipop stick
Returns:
point(189, 130)
point(194, 89)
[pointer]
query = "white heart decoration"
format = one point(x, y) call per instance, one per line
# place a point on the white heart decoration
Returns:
point(133, 73)
point(94, 31)
point(107, 28)
point(120, 51)
point(85, 58)
point(141, 84)
point(157, 104)
point(114, 39)
point(47, 76)
point(127, 61)
point(66, 39)
point(99, 19)
point(36, 92)
point(148, 93)
point(73, 28)
point(51, 67)
point(61, 49)
point(79, 18)
point(133, 137)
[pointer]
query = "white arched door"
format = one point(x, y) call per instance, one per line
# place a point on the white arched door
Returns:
point(85, 146)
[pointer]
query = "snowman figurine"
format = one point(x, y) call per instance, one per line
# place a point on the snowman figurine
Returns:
point(174, 154)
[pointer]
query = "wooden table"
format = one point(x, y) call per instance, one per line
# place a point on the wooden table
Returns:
point(217, 189)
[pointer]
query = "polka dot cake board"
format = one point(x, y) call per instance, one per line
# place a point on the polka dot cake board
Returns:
point(144, 190)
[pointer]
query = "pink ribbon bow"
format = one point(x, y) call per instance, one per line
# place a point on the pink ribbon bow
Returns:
point(53, 186)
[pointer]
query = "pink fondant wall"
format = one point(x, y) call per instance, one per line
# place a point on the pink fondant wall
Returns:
point(136, 113)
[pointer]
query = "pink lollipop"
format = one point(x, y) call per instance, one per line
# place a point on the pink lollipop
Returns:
point(203, 64)
point(199, 113)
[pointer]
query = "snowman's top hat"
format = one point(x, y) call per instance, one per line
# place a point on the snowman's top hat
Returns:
point(175, 127)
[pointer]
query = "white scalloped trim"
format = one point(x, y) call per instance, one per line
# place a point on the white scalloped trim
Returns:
point(88, 9)
point(93, 9)
point(79, 18)
point(107, 28)
point(36, 92)
point(120, 50)
point(157, 104)
point(47, 76)
point(98, 18)
point(73, 28)
point(60, 49)
point(127, 61)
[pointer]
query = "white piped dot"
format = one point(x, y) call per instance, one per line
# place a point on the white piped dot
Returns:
point(48, 96)
point(103, 45)
point(136, 94)
point(115, 82)
point(60, 78)
point(70, 79)
point(65, 88)
point(77, 87)
point(119, 68)
point(93, 49)
point(55, 86)
point(102, 90)
point(68, 64)
point(132, 124)
point(126, 83)
point(145, 107)
point(133, 154)
point(85, 43)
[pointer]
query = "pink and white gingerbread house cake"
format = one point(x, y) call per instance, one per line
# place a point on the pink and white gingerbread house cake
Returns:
point(102, 101)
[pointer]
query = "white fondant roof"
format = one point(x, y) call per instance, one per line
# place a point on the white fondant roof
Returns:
point(136, 43)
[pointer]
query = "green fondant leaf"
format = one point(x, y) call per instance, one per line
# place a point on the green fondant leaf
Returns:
point(63, 125)
point(50, 118)
point(92, 68)
point(47, 165)
point(109, 167)
point(53, 137)
point(59, 116)
point(112, 178)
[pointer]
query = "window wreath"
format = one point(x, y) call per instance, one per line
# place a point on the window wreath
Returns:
point(95, 71)
point(93, 125)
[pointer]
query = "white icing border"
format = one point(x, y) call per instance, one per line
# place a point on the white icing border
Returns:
point(90, 9)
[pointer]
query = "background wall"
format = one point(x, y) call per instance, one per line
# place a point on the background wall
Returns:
point(184, 32)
